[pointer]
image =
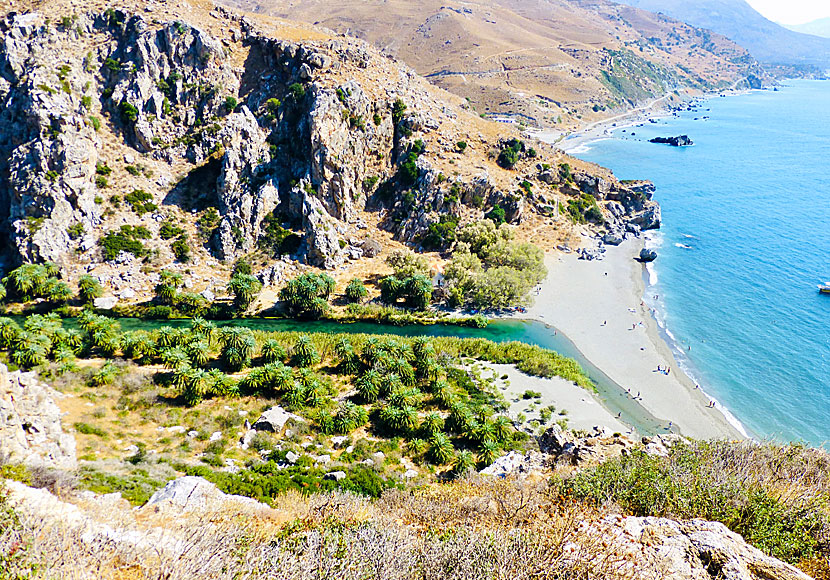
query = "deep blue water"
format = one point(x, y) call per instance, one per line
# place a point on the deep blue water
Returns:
point(744, 244)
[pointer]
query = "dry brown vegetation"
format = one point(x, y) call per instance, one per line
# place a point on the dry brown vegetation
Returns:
point(493, 528)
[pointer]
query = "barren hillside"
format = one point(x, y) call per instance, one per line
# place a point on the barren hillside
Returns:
point(546, 63)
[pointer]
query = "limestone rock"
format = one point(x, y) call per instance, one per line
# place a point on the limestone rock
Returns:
point(30, 423)
point(274, 419)
point(191, 493)
point(695, 550)
point(515, 463)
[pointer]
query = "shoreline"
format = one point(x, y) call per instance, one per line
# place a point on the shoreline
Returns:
point(595, 304)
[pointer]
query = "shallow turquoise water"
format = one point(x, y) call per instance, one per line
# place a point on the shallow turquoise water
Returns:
point(745, 242)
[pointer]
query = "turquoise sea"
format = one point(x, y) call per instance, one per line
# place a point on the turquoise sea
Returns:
point(744, 244)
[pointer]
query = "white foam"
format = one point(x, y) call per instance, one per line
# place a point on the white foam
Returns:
point(679, 245)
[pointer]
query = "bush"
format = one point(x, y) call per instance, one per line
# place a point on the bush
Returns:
point(406, 263)
point(140, 201)
point(297, 91)
point(181, 249)
point(75, 231)
point(509, 154)
point(462, 146)
point(496, 215)
point(168, 231)
point(715, 481)
point(442, 234)
point(231, 103)
point(415, 291)
point(276, 239)
point(126, 239)
point(129, 114)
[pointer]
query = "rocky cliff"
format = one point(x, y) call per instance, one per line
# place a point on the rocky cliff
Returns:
point(30, 423)
point(123, 132)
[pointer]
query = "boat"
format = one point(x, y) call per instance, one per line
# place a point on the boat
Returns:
point(824, 288)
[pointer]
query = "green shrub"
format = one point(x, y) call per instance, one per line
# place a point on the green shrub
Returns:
point(496, 215)
point(140, 201)
point(88, 429)
point(462, 146)
point(169, 231)
point(696, 482)
point(509, 154)
point(442, 234)
point(129, 114)
point(231, 103)
point(276, 239)
point(112, 65)
point(75, 231)
point(126, 239)
point(297, 91)
point(101, 182)
point(208, 221)
point(96, 122)
point(181, 249)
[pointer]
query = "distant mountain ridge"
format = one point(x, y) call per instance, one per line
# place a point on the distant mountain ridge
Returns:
point(820, 27)
point(767, 41)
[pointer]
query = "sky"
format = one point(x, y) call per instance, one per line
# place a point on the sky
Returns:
point(792, 11)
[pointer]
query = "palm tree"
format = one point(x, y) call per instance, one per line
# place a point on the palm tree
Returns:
point(441, 450)
point(349, 417)
point(204, 328)
point(405, 397)
point(89, 289)
point(199, 352)
point(356, 290)
point(196, 386)
point(325, 422)
point(295, 395)
point(238, 347)
point(488, 452)
point(368, 386)
point(403, 369)
point(304, 354)
point(255, 380)
point(371, 351)
point(245, 289)
point(280, 378)
point(272, 351)
point(178, 379)
point(464, 461)
point(175, 358)
point(220, 384)
point(167, 289)
point(105, 375)
point(443, 393)
point(30, 350)
point(462, 419)
point(389, 384)
point(422, 348)
point(484, 431)
point(417, 446)
point(433, 423)
point(502, 428)
point(165, 337)
point(9, 331)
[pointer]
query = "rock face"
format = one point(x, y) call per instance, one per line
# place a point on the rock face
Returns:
point(30, 423)
point(647, 255)
point(680, 141)
point(695, 550)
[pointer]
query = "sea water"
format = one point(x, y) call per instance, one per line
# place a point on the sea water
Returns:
point(744, 244)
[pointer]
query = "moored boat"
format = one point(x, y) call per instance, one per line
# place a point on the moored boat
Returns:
point(824, 288)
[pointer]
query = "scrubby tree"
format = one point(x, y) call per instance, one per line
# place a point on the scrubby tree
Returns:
point(406, 263)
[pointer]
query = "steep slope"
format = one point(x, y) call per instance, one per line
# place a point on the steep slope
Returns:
point(543, 62)
point(767, 41)
point(820, 27)
point(133, 143)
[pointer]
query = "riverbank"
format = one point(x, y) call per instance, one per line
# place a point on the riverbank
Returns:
point(599, 306)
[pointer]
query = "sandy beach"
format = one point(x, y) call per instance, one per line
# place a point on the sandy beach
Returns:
point(598, 305)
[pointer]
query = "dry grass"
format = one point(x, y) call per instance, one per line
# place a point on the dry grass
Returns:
point(474, 529)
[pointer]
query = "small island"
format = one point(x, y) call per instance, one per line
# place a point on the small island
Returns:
point(679, 141)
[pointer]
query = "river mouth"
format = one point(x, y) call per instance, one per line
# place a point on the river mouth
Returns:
point(609, 393)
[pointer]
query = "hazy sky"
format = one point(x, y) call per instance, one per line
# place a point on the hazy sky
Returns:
point(792, 11)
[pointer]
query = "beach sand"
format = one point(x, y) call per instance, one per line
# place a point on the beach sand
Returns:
point(595, 304)
point(570, 401)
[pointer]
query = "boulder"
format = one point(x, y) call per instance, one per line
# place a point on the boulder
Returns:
point(692, 550)
point(335, 475)
point(105, 302)
point(274, 419)
point(191, 493)
point(515, 463)
point(647, 255)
